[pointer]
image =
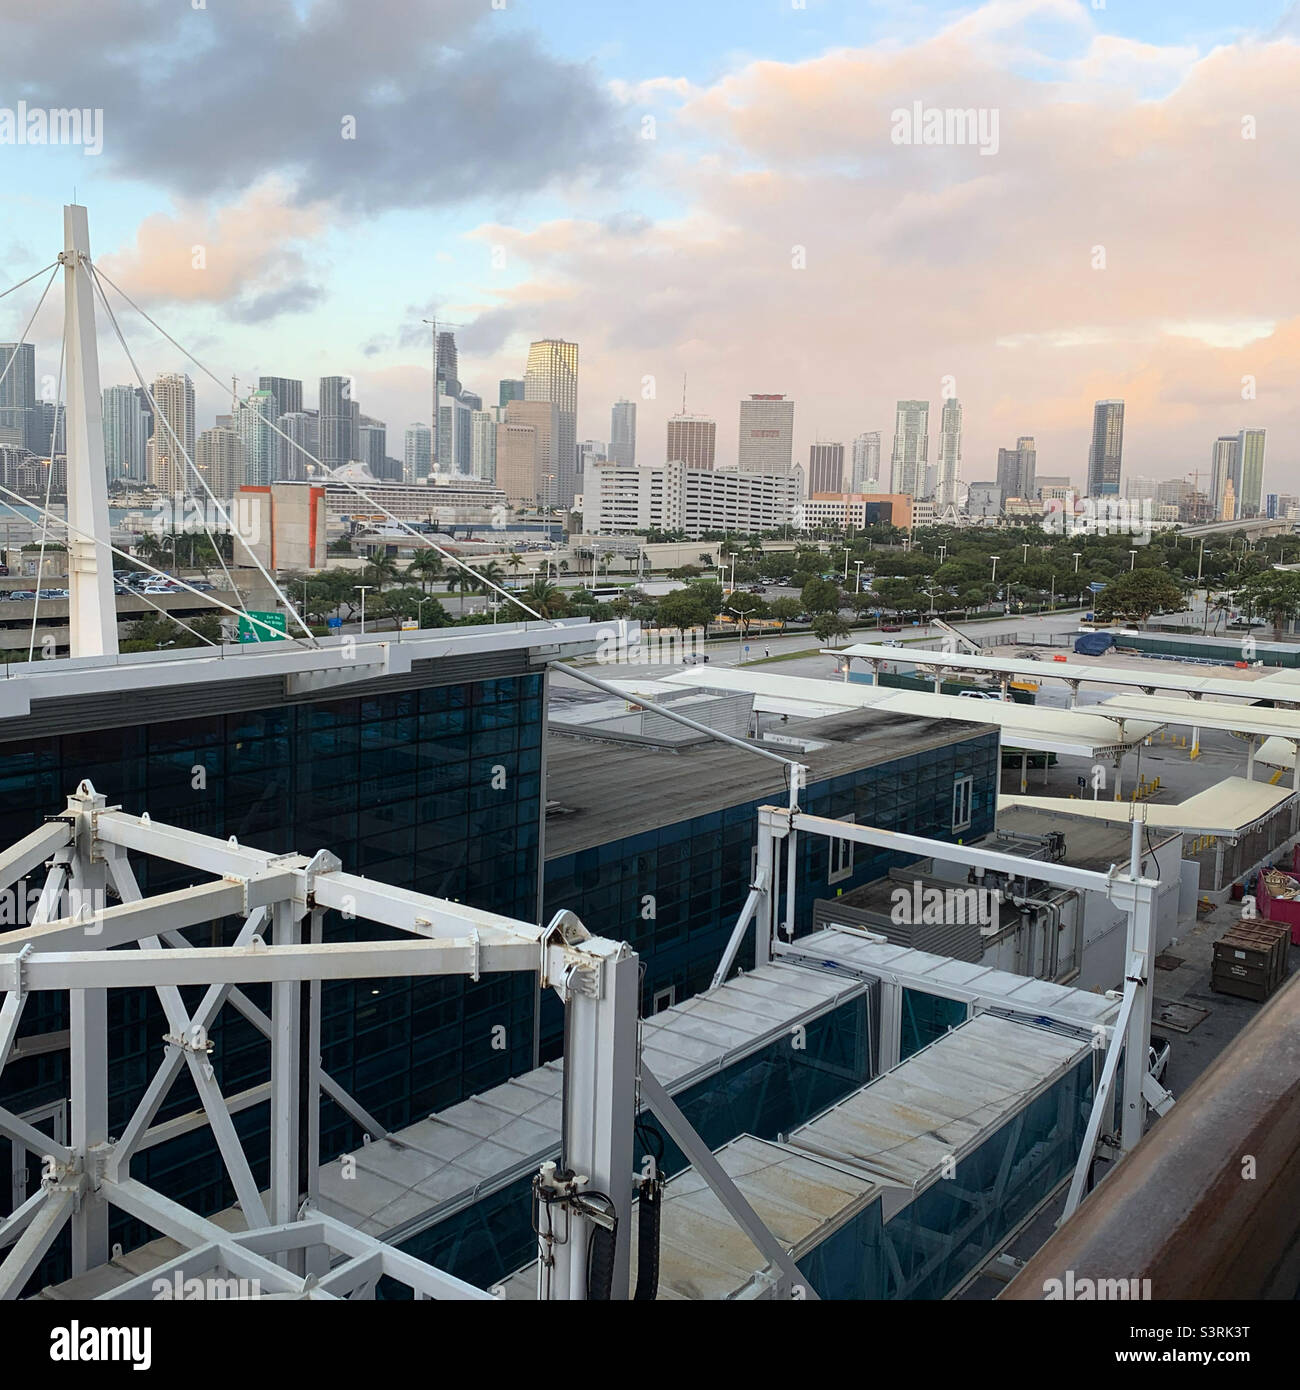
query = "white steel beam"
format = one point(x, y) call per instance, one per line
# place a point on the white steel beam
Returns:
point(32, 851)
point(705, 1163)
point(406, 1269)
point(286, 1039)
point(412, 912)
point(30, 1247)
point(205, 853)
point(13, 1225)
point(17, 1130)
point(333, 960)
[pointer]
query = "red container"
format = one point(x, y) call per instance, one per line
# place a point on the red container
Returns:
point(1285, 910)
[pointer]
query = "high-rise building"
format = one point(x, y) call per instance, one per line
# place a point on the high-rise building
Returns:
point(302, 445)
point(219, 457)
point(672, 496)
point(692, 439)
point(374, 446)
point(417, 459)
point(173, 436)
point(949, 473)
point(866, 462)
point(518, 463)
point(1225, 468)
point(551, 374)
point(338, 422)
point(1106, 454)
point(1228, 511)
point(1016, 469)
point(126, 433)
point(766, 443)
point(825, 468)
point(1250, 462)
point(911, 448)
point(622, 434)
point(509, 389)
point(261, 444)
point(286, 394)
point(483, 444)
point(50, 429)
point(19, 427)
point(544, 417)
point(453, 450)
point(448, 366)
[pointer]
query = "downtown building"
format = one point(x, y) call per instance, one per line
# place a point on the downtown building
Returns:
point(126, 434)
point(842, 511)
point(911, 454)
point(622, 434)
point(948, 474)
point(866, 463)
point(551, 377)
point(766, 440)
point(692, 440)
point(1106, 453)
point(173, 435)
point(1016, 470)
point(673, 497)
point(825, 468)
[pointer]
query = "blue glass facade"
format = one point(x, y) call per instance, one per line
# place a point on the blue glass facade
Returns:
point(694, 875)
point(436, 789)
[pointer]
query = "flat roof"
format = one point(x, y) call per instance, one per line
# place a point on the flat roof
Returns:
point(1029, 727)
point(1205, 714)
point(602, 791)
point(1088, 673)
point(1228, 808)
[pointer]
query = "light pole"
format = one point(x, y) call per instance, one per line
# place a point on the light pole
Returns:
point(1078, 555)
point(995, 559)
point(1024, 559)
point(1133, 559)
point(858, 563)
point(847, 553)
point(419, 610)
point(362, 588)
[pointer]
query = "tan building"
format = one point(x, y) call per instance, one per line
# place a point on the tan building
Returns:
point(544, 418)
point(517, 463)
point(856, 509)
point(173, 432)
point(219, 457)
point(692, 440)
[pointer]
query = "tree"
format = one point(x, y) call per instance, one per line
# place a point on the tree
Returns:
point(784, 610)
point(1138, 594)
point(425, 568)
point(682, 608)
point(828, 626)
point(820, 596)
point(1275, 592)
point(157, 631)
point(745, 608)
point(381, 570)
point(544, 598)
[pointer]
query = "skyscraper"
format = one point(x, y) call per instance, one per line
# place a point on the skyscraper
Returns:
point(448, 365)
point(374, 445)
point(286, 394)
point(483, 444)
point(552, 375)
point(417, 459)
point(945, 492)
point(261, 452)
point(911, 447)
point(454, 441)
point(1250, 463)
point(825, 468)
point(1105, 457)
point(303, 429)
point(1225, 468)
point(544, 418)
point(338, 422)
point(1016, 469)
point(766, 443)
point(173, 436)
point(866, 462)
point(18, 423)
point(219, 456)
point(517, 461)
point(691, 438)
point(622, 434)
point(126, 433)
point(510, 389)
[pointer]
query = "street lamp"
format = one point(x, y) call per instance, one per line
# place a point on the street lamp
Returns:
point(1024, 559)
point(858, 563)
point(847, 553)
point(419, 610)
point(1132, 560)
point(1078, 555)
point(362, 588)
point(995, 559)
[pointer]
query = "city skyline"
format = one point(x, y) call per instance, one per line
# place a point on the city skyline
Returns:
point(578, 229)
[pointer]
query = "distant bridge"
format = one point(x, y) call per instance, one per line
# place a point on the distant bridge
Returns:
point(1252, 528)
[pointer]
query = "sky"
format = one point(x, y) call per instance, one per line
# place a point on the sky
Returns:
point(718, 193)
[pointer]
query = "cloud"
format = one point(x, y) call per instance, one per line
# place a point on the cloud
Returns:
point(369, 104)
point(1118, 244)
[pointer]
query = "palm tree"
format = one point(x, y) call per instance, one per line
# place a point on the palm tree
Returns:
point(605, 559)
point(513, 562)
point(382, 569)
point(426, 567)
point(544, 598)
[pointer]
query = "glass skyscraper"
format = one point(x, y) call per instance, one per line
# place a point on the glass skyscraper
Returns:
point(552, 375)
point(1105, 457)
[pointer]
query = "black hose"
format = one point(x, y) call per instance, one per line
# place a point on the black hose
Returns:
point(649, 1210)
point(600, 1264)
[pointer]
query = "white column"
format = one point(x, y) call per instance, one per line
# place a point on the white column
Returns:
point(92, 609)
point(1139, 960)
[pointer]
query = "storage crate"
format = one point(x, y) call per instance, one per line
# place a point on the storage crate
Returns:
point(1251, 960)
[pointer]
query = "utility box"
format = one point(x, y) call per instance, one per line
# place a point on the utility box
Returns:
point(1250, 961)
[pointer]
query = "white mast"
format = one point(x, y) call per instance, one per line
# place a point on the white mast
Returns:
point(92, 610)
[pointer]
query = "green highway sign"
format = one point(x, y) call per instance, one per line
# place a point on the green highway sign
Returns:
point(251, 632)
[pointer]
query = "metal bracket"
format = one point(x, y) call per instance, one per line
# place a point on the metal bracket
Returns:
point(15, 981)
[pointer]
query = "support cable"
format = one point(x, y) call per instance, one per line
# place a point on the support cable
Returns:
point(221, 511)
point(331, 472)
point(49, 485)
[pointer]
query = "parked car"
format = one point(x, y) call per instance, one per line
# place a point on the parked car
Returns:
point(1158, 1056)
point(23, 593)
point(978, 695)
point(890, 627)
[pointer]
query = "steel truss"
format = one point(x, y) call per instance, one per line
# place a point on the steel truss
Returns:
point(291, 1248)
point(1126, 889)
